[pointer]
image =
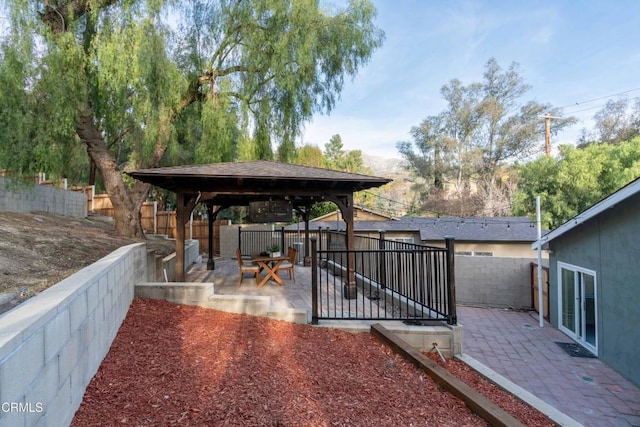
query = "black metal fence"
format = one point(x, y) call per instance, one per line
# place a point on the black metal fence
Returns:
point(379, 279)
point(255, 241)
point(382, 280)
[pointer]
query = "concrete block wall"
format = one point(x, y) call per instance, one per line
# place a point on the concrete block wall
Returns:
point(52, 344)
point(493, 281)
point(229, 237)
point(157, 265)
point(42, 198)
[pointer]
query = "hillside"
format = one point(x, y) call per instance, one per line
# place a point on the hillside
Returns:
point(38, 250)
point(395, 197)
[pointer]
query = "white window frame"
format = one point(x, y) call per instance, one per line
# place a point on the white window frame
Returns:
point(578, 270)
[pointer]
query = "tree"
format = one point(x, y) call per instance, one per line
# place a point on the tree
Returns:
point(333, 152)
point(576, 180)
point(484, 126)
point(117, 78)
point(309, 155)
point(615, 123)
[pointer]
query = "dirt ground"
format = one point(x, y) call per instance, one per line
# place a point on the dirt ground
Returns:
point(38, 250)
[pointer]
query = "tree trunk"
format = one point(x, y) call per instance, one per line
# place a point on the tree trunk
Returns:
point(92, 171)
point(126, 208)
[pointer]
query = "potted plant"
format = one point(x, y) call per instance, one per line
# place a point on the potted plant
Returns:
point(274, 250)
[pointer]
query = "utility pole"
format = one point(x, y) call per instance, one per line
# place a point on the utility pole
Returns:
point(547, 133)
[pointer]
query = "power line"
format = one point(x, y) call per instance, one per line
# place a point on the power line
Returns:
point(404, 205)
point(601, 97)
point(593, 108)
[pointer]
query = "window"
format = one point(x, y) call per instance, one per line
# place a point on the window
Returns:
point(479, 253)
point(402, 239)
point(466, 253)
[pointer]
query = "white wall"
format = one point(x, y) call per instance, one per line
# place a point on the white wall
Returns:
point(52, 344)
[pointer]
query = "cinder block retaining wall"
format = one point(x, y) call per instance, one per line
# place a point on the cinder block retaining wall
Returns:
point(42, 198)
point(52, 344)
point(157, 266)
point(493, 281)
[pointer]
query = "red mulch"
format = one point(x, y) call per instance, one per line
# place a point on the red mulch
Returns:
point(507, 401)
point(182, 365)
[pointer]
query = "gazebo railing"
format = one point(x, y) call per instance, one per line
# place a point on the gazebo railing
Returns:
point(411, 284)
point(255, 241)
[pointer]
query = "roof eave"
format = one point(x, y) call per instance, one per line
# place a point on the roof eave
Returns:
point(595, 210)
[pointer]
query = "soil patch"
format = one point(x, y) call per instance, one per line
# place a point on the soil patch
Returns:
point(37, 250)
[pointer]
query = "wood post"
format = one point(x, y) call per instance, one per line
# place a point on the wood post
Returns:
point(210, 263)
point(181, 216)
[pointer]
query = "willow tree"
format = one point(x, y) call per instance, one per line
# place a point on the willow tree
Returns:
point(126, 79)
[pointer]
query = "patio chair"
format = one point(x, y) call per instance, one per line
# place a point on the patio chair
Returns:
point(253, 269)
point(290, 264)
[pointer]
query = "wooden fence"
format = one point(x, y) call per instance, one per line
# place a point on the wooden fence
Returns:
point(162, 222)
point(545, 289)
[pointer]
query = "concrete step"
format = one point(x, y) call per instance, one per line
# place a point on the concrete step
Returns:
point(203, 295)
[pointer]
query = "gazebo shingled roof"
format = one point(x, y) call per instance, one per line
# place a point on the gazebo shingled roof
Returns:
point(238, 183)
point(261, 177)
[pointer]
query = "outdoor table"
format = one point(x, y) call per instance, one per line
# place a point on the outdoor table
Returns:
point(271, 265)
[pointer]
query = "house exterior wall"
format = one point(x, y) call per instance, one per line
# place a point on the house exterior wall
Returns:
point(358, 215)
point(504, 250)
point(608, 244)
point(391, 235)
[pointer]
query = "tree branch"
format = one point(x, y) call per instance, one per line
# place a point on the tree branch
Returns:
point(59, 18)
point(119, 137)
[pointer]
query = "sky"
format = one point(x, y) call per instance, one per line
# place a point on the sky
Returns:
point(570, 52)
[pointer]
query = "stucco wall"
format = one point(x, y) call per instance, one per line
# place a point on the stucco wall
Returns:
point(610, 245)
point(42, 198)
point(52, 344)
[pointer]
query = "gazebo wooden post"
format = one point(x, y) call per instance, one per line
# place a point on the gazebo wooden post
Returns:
point(180, 221)
point(184, 206)
point(307, 248)
point(351, 288)
point(345, 204)
point(210, 263)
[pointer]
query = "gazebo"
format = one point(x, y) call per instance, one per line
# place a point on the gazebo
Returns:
point(222, 185)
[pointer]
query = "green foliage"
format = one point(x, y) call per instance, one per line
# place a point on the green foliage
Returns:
point(334, 152)
point(232, 69)
point(485, 125)
point(575, 181)
point(337, 158)
point(323, 208)
point(309, 155)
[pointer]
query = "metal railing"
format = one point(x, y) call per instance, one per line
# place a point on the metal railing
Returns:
point(256, 241)
point(396, 281)
point(379, 280)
